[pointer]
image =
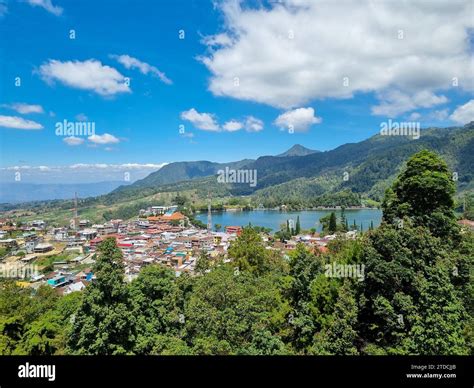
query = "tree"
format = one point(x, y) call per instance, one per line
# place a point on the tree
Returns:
point(228, 310)
point(298, 225)
point(332, 223)
point(217, 227)
point(339, 335)
point(203, 263)
point(248, 251)
point(157, 304)
point(344, 223)
point(304, 267)
point(408, 304)
point(104, 323)
point(424, 192)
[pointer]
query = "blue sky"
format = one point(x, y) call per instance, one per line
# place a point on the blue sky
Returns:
point(248, 79)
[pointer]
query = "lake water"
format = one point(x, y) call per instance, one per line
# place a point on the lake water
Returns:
point(273, 218)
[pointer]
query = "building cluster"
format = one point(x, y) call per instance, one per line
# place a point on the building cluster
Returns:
point(63, 257)
point(159, 235)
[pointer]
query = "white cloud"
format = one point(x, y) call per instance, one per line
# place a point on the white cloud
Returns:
point(395, 102)
point(439, 115)
point(79, 172)
point(47, 5)
point(73, 140)
point(145, 68)
point(106, 138)
point(204, 121)
point(86, 75)
point(463, 114)
point(232, 126)
point(18, 123)
point(299, 119)
point(24, 109)
point(217, 40)
point(286, 55)
point(252, 124)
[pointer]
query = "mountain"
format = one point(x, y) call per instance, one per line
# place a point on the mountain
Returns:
point(182, 171)
point(343, 175)
point(297, 150)
point(17, 192)
point(365, 168)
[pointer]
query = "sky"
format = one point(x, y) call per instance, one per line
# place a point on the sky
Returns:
point(172, 80)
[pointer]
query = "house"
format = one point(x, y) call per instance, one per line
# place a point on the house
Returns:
point(233, 230)
point(89, 234)
point(43, 247)
point(57, 281)
point(78, 285)
point(95, 242)
point(37, 224)
point(8, 243)
point(84, 223)
point(176, 216)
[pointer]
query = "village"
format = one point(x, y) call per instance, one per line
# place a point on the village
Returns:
point(63, 258)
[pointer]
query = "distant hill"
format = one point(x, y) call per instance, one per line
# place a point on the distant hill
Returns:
point(297, 150)
point(17, 192)
point(365, 168)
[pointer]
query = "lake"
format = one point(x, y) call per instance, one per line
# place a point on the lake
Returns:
point(273, 218)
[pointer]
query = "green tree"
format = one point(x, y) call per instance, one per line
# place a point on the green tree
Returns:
point(339, 335)
point(298, 226)
point(104, 323)
point(332, 227)
point(203, 263)
point(248, 251)
point(156, 302)
point(401, 311)
point(228, 310)
point(424, 192)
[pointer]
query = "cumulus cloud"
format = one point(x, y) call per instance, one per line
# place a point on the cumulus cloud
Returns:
point(145, 68)
point(252, 124)
point(24, 109)
point(204, 121)
point(87, 75)
point(464, 113)
point(232, 126)
point(298, 119)
point(73, 140)
point(79, 172)
point(47, 5)
point(395, 102)
point(18, 123)
point(106, 138)
point(295, 51)
point(217, 40)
